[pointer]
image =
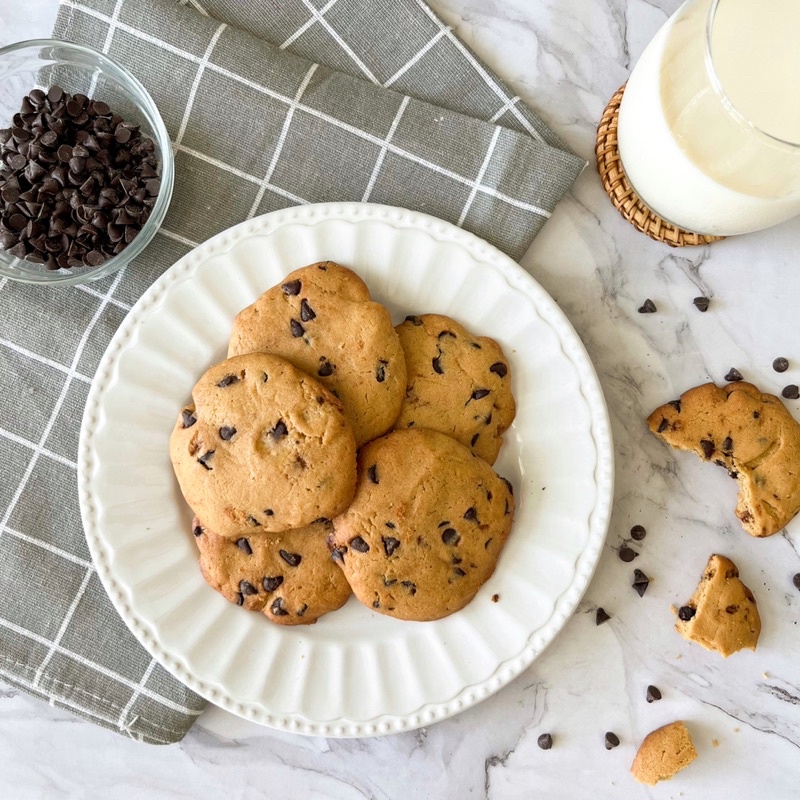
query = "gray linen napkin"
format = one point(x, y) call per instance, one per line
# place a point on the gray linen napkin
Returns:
point(267, 107)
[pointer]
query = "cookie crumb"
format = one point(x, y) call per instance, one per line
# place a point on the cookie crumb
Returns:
point(715, 742)
point(664, 752)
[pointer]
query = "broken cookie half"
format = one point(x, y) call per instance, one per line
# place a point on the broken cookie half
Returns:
point(750, 434)
point(722, 614)
point(663, 752)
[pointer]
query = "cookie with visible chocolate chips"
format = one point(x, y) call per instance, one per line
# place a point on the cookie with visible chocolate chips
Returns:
point(750, 434)
point(722, 614)
point(263, 447)
point(288, 576)
point(322, 320)
point(458, 384)
point(425, 528)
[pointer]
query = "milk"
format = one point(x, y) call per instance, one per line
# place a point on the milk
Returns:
point(700, 127)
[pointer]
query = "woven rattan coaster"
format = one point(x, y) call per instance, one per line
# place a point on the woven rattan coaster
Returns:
point(619, 189)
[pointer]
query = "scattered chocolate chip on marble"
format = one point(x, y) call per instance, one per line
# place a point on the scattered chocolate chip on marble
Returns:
point(638, 532)
point(734, 375)
point(791, 392)
point(601, 616)
point(640, 582)
point(795, 579)
point(685, 613)
point(627, 554)
point(612, 740)
point(653, 694)
point(780, 364)
point(545, 741)
point(648, 307)
point(701, 303)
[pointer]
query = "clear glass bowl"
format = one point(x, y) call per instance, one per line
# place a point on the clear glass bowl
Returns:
point(78, 69)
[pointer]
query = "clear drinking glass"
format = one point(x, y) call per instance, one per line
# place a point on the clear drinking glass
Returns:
point(709, 124)
point(44, 62)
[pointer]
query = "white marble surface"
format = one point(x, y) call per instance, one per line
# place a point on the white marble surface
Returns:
point(564, 57)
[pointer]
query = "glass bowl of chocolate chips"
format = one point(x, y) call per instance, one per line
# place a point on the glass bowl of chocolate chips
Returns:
point(86, 166)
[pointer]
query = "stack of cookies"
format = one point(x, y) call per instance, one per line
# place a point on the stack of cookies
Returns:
point(332, 453)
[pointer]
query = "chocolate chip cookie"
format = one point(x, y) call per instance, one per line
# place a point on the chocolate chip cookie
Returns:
point(425, 528)
point(288, 576)
point(722, 614)
point(663, 752)
point(750, 434)
point(458, 384)
point(263, 447)
point(322, 320)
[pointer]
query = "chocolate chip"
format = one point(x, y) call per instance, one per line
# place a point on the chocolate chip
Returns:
point(410, 585)
point(306, 312)
point(471, 514)
point(478, 394)
point(302, 610)
point(638, 532)
point(414, 320)
point(473, 440)
point(648, 307)
point(640, 582)
point(756, 415)
point(244, 545)
point(627, 555)
point(460, 572)
point(791, 392)
point(611, 740)
point(188, 418)
point(197, 530)
point(252, 521)
point(292, 559)
point(727, 444)
point(708, 448)
point(326, 369)
point(292, 288)
point(205, 458)
point(277, 608)
point(245, 587)
point(390, 544)
point(437, 366)
point(337, 554)
point(240, 599)
point(487, 543)
point(268, 512)
point(685, 613)
point(676, 404)
point(372, 473)
point(780, 364)
point(653, 694)
point(701, 303)
point(450, 537)
point(297, 329)
point(601, 616)
point(227, 433)
point(279, 430)
point(391, 525)
point(227, 381)
point(380, 372)
point(734, 375)
point(271, 584)
point(376, 603)
point(357, 543)
point(545, 741)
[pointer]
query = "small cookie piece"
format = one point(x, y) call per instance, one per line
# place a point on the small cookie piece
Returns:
point(264, 447)
point(663, 752)
point(288, 576)
point(458, 384)
point(750, 434)
point(722, 614)
point(426, 527)
point(321, 319)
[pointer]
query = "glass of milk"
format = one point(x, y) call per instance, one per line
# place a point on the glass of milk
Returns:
point(709, 125)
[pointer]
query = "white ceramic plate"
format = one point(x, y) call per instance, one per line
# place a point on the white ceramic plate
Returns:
point(355, 672)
